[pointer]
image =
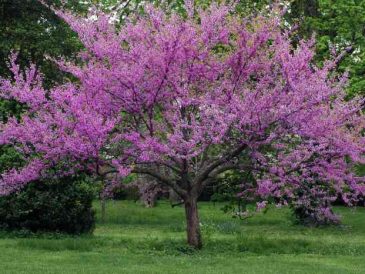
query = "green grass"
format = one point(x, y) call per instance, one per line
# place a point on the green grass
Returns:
point(140, 240)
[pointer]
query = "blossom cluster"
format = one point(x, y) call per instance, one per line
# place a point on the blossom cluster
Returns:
point(197, 95)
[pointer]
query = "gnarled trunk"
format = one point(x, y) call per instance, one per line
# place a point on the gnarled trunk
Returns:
point(192, 222)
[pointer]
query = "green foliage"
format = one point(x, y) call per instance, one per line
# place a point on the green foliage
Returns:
point(340, 23)
point(63, 205)
point(9, 158)
point(126, 193)
point(360, 170)
point(34, 31)
point(227, 188)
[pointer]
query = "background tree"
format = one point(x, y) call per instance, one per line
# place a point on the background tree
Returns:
point(339, 25)
point(35, 32)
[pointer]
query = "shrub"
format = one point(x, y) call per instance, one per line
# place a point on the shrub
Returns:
point(312, 205)
point(63, 205)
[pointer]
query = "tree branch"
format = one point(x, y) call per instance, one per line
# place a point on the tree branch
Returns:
point(222, 160)
point(161, 178)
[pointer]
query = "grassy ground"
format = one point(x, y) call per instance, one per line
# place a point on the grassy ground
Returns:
point(139, 240)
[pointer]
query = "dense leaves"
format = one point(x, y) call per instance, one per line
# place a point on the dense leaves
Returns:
point(35, 32)
point(52, 206)
point(339, 25)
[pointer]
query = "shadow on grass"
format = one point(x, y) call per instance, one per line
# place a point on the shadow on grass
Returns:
point(240, 244)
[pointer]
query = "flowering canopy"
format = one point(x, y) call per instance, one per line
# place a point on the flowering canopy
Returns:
point(194, 95)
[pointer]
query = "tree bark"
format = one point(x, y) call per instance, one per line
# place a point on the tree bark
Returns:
point(103, 206)
point(192, 222)
point(150, 202)
point(174, 197)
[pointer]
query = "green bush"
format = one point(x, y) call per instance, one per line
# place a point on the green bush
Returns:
point(63, 205)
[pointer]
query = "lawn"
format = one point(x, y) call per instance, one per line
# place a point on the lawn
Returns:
point(134, 239)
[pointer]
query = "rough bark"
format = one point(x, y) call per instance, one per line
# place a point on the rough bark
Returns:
point(194, 238)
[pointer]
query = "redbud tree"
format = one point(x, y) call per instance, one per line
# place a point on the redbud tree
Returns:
point(197, 95)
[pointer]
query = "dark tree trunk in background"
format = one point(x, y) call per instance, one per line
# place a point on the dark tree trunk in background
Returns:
point(174, 197)
point(103, 210)
point(305, 7)
point(150, 201)
point(192, 222)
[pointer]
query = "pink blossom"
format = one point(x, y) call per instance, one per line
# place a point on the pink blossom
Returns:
point(197, 96)
point(261, 205)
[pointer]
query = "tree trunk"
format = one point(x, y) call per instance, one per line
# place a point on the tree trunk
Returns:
point(174, 197)
point(192, 222)
point(150, 201)
point(103, 205)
